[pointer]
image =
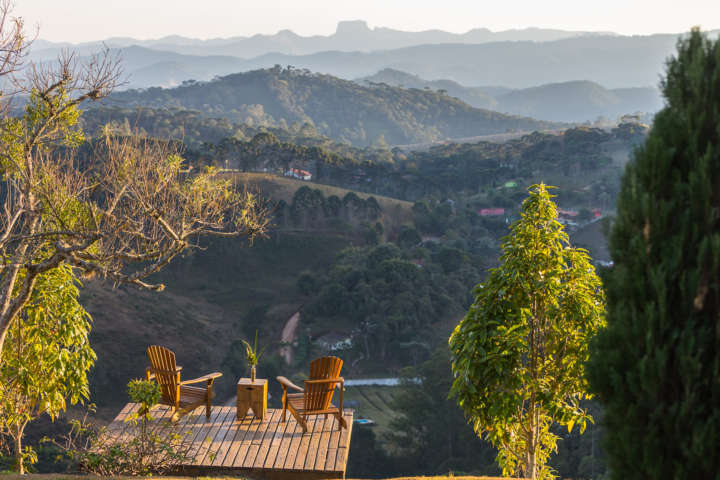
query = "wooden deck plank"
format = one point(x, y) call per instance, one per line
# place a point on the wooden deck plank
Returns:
point(332, 448)
point(243, 428)
point(203, 426)
point(251, 445)
point(275, 442)
point(304, 443)
point(224, 439)
point(292, 428)
point(182, 427)
point(216, 436)
point(246, 444)
point(122, 414)
point(268, 426)
point(312, 446)
point(268, 438)
point(323, 442)
point(294, 445)
point(118, 425)
point(343, 446)
point(189, 426)
point(234, 428)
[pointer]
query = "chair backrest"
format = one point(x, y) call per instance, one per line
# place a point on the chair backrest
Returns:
point(319, 395)
point(163, 363)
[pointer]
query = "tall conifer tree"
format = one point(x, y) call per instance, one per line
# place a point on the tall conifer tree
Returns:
point(656, 367)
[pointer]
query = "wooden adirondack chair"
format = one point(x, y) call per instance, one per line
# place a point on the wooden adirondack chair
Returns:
point(316, 397)
point(175, 392)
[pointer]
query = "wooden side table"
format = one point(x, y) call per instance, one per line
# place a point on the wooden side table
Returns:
point(252, 395)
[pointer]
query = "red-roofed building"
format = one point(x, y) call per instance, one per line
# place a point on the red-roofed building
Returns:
point(491, 212)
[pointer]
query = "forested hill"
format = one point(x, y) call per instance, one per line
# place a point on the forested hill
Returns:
point(573, 101)
point(340, 109)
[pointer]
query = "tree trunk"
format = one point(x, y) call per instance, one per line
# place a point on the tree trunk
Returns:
point(18, 449)
point(531, 447)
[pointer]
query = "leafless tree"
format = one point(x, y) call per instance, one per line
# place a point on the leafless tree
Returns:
point(123, 215)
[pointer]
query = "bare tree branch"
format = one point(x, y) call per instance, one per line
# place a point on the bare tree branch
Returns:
point(124, 214)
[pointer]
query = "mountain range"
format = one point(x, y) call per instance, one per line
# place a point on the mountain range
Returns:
point(514, 58)
point(341, 109)
point(573, 101)
point(349, 36)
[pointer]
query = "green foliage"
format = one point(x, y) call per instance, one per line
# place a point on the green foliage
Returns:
point(389, 299)
point(46, 358)
point(409, 237)
point(138, 452)
point(146, 393)
point(518, 354)
point(252, 354)
point(441, 171)
point(656, 367)
point(341, 109)
point(430, 434)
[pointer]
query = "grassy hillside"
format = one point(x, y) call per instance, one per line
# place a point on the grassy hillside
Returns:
point(395, 213)
point(214, 297)
point(341, 109)
point(374, 403)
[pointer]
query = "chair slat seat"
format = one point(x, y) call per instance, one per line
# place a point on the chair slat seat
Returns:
point(182, 398)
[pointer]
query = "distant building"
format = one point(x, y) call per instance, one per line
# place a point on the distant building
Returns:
point(334, 342)
point(299, 174)
point(567, 213)
point(491, 212)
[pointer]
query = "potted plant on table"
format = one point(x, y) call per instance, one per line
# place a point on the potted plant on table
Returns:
point(253, 355)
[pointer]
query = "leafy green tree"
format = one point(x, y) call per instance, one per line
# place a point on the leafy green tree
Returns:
point(519, 353)
point(408, 237)
point(45, 360)
point(450, 258)
point(656, 367)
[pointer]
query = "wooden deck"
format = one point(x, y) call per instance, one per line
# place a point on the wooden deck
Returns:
point(269, 448)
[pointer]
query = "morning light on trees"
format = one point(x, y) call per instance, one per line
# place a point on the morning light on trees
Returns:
point(519, 353)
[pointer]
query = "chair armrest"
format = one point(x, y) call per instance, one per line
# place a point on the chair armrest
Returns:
point(150, 371)
point(339, 380)
point(204, 378)
point(288, 384)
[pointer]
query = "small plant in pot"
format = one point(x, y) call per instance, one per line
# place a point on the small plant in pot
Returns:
point(253, 355)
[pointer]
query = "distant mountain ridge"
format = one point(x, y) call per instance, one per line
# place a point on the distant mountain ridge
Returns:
point(349, 36)
point(338, 108)
point(579, 101)
point(573, 101)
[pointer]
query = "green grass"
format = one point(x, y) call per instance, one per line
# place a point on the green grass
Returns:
point(373, 403)
point(394, 212)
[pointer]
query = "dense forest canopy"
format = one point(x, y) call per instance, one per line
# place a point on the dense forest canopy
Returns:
point(340, 109)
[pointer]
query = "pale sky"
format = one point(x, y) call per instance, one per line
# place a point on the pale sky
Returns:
point(85, 20)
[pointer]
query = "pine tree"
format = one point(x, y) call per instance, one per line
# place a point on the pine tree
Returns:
point(656, 367)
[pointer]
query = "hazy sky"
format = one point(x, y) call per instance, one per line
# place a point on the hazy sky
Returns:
point(83, 20)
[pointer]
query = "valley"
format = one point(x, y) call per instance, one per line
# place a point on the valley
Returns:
point(391, 171)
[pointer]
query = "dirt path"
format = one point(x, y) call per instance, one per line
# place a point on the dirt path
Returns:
point(289, 335)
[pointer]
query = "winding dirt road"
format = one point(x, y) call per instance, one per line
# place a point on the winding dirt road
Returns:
point(289, 335)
